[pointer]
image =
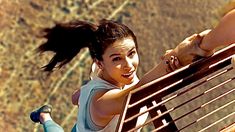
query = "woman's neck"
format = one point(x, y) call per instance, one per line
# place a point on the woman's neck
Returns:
point(110, 80)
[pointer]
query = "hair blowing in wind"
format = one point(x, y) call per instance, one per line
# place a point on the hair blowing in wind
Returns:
point(66, 40)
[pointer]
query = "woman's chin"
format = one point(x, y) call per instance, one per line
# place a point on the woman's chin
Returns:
point(129, 81)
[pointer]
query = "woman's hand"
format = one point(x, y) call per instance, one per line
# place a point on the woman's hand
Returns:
point(171, 64)
point(189, 49)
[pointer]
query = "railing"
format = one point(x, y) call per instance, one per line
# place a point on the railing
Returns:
point(188, 99)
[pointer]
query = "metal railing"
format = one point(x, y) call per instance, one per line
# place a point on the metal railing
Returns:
point(182, 99)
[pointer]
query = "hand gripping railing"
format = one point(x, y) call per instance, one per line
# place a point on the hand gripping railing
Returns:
point(159, 94)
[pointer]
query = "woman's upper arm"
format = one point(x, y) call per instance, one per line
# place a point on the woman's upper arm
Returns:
point(108, 102)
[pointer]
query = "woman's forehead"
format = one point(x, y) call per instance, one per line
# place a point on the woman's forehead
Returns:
point(123, 45)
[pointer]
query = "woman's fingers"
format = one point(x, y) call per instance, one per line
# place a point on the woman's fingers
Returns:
point(192, 37)
point(168, 67)
point(167, 55)
point(172, 64)
point(177, 63)
point(168, 51)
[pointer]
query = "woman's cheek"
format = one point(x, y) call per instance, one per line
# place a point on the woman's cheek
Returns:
point(136, 62)
point(117, 66)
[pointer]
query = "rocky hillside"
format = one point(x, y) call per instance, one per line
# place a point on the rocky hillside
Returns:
point(158, 24)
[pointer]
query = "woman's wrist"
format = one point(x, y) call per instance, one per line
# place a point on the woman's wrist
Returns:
point(203, 47)
point(202, 51)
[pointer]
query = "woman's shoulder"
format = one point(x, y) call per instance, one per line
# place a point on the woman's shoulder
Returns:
point(98, 83)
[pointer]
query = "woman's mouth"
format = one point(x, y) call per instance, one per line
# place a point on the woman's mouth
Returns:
point(128, 75)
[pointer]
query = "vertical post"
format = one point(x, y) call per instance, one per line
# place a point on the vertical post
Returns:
point(162, 120)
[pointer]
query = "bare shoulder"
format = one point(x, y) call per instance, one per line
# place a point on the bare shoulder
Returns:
point(100, 104)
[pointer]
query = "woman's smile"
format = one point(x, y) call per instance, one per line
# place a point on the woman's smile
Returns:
point(129, 75)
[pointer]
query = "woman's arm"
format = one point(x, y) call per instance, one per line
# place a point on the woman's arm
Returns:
point(204, 43)
point(189, 47)
point(116, 97)
point(75, 97)
point(164, 67)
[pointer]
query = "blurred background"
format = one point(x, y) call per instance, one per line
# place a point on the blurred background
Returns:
point(158, 24)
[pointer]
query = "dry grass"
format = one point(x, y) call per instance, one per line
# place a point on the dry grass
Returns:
point(158, 24)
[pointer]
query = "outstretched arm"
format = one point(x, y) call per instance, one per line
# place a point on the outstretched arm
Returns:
point(204, 43)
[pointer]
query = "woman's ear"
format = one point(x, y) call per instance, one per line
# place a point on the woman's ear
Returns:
point(99, 64)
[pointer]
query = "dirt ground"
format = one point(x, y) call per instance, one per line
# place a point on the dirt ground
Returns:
point(158, 24)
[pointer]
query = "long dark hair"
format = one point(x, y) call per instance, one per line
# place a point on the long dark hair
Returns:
point(67, 39)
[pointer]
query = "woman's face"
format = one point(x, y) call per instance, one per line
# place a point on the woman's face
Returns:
point(120, 62)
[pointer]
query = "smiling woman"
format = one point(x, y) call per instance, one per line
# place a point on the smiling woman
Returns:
point(114, 50)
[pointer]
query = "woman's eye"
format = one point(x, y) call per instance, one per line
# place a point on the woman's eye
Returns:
point(116, 58)
point(132, 53)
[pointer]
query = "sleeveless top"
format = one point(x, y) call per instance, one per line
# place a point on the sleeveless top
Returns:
point(84, 121)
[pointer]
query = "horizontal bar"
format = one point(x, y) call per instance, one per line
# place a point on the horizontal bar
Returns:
point(176, 95)
point(199, 106)
point(227, 51)
point(227, 104)
point(230, 127)
point(183, 72)
point(231, 114)
point(186, 81)
point(168, 111)
point(214, 110)
point(154, 94)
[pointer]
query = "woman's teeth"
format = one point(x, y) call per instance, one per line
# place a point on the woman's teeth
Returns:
point(128, 74)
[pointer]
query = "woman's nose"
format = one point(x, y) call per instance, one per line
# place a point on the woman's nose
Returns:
point(127, 64)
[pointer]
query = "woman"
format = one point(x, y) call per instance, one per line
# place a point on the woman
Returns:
point(113, 47)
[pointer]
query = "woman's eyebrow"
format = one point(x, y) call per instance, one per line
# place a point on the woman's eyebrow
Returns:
point(132, 49)
point(113, 55)
point(116, 54)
